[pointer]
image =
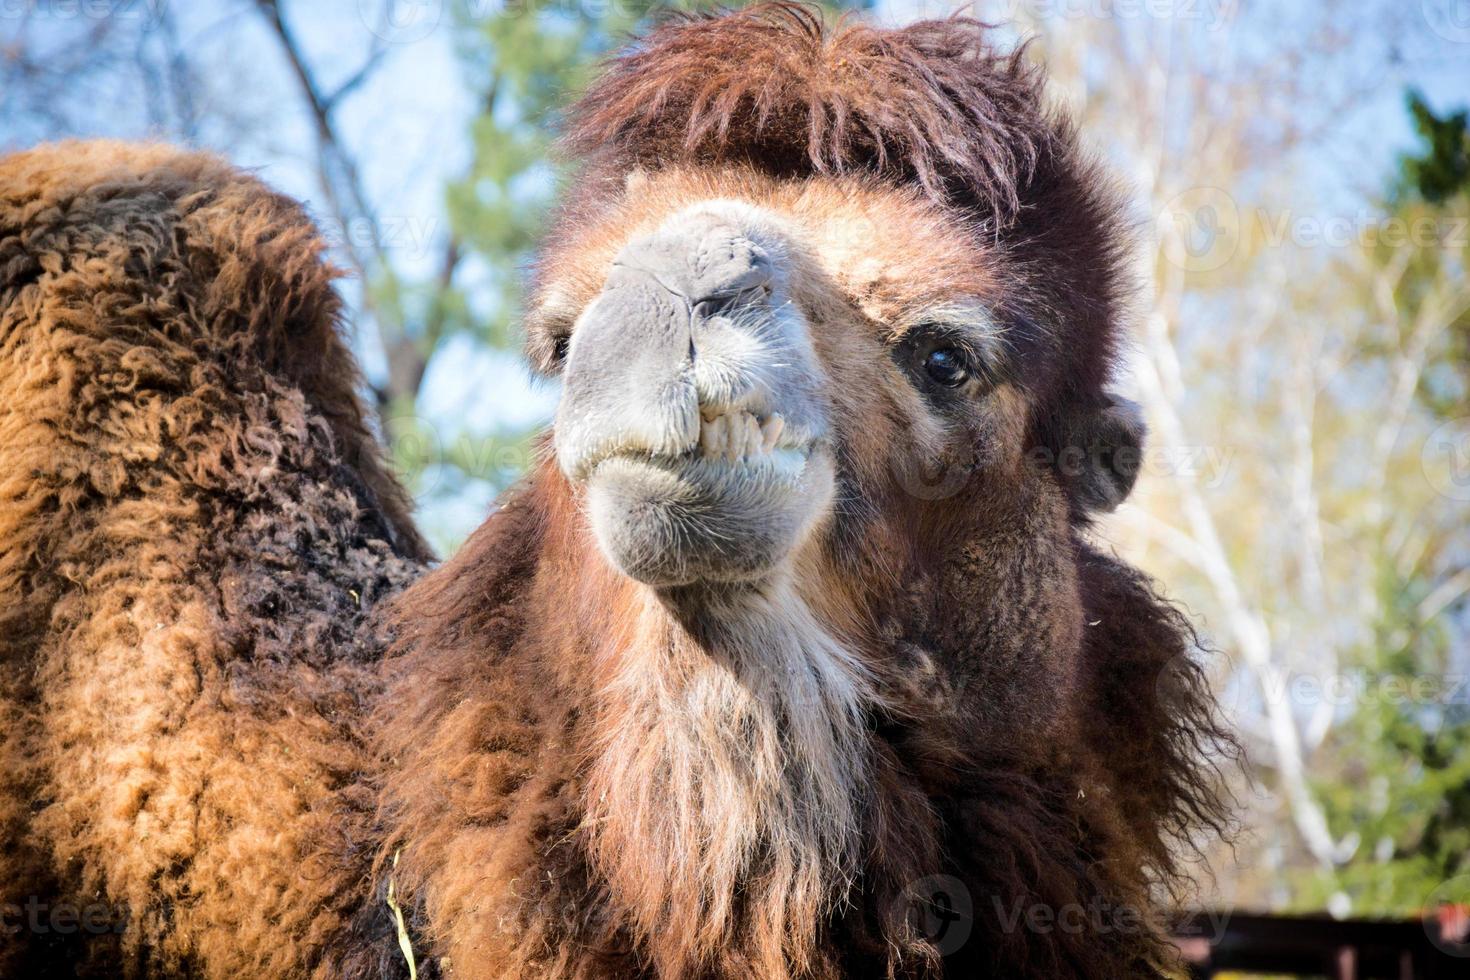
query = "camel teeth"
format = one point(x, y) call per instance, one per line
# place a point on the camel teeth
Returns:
point(735, 448)
point(752, 436)
point(737, 435)
point(770, 432)
point(712, 436)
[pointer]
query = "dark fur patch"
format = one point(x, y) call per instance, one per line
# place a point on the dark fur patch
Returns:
point(772, 85)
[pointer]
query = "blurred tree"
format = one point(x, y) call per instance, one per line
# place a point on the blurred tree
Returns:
point(1290, 323)
point(1442, 169)
point(1432, 188)
point(58, 79)
point(1398, 767)
point(528, 59)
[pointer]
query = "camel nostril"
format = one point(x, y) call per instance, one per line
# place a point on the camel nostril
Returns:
point(726, 303)
point(712, 306)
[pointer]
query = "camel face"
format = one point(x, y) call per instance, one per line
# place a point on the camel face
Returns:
point(738, 353)
point(692, 411)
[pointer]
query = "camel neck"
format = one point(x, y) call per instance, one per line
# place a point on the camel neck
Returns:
point(730, 758)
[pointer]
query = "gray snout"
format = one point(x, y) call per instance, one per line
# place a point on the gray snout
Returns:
point(691, 405)
point(708, 263)
point(689, 324)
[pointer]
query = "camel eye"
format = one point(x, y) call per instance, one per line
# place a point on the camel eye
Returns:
point(947, 366)
point(559, 347)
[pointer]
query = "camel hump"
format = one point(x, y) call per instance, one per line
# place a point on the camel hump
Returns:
point(102, 226)
point(142, 285)
point(196, 527)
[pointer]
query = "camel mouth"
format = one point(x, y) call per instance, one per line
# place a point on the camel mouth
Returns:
point(784, 463)
point(740, 475)
point(695, 517)
point(731, 444)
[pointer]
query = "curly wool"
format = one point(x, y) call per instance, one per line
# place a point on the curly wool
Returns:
point(195, 527)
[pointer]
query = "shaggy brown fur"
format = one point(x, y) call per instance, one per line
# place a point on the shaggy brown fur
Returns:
point(196, 527)
point(931, 103)
point(1036, 734)
point(490, 735)
point(195, 524)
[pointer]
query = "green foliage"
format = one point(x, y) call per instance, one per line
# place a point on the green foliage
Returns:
point(1404, 788)
point(1400, 779)
point(1433, 187)
point(1442, 169)
point(527, 61)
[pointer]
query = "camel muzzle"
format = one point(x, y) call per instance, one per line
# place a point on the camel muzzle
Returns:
point(691, 408)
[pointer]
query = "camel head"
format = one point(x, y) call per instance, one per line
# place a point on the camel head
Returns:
point(809, 283)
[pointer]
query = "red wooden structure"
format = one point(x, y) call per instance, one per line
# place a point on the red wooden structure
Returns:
point(1434, 948)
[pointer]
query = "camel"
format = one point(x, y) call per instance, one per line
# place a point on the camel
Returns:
point(794, 654)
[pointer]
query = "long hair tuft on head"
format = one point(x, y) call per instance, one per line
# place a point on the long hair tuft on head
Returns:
point(775, 87)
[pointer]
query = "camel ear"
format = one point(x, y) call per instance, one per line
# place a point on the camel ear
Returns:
point(1101, 451)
